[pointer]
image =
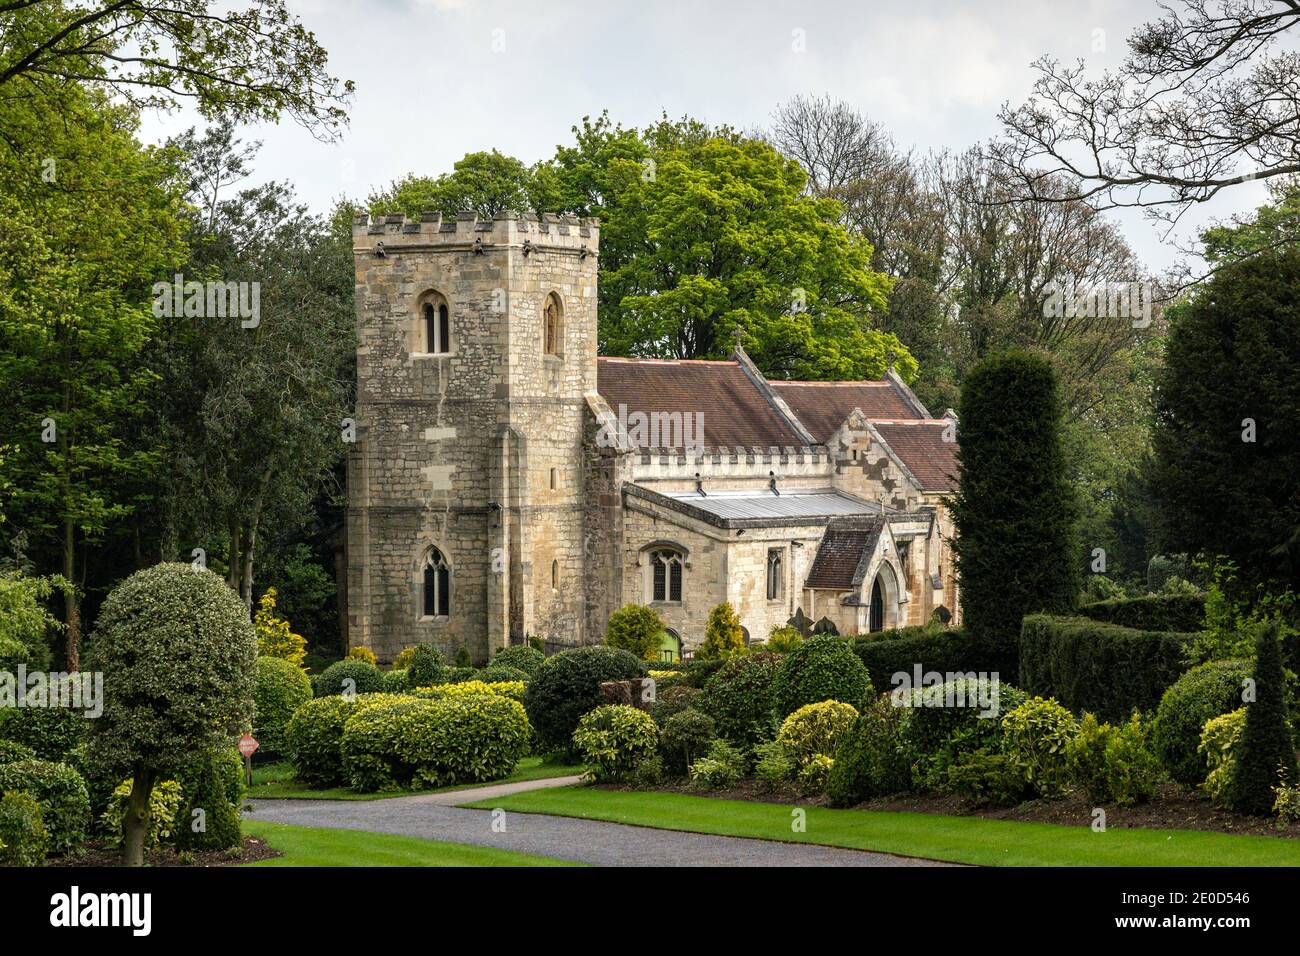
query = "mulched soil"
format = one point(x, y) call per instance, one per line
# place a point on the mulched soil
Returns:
point(98, 855)
point(1174, 808)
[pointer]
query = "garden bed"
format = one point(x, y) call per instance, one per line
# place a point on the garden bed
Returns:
point(97, 855)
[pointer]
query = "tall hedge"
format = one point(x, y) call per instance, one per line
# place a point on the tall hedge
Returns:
point(1015, 509)
point(1266, 754)
point(1101, 668)
point(955, 651)
point(1154, 612)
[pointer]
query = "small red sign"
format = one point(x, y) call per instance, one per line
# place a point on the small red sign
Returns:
point(248, 745)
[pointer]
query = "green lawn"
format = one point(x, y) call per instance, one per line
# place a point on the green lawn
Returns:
point(313, 846)
point(274, 781)
point(955, 839)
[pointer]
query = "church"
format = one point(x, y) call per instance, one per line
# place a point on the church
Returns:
point(505, 481)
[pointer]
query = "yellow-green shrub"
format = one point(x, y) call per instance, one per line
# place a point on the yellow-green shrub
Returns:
point(274, 637)
point(1219, 737)
point(514, 689)
point(615, 739)
point(815, 729)
point(164, 804)
point(362, 653)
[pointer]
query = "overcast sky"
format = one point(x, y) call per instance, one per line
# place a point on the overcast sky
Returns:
point(439, 78)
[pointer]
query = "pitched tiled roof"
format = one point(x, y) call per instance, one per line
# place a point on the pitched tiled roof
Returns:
point(735, 411)
point(921, 447)
point(823, 406)
point(842, 549)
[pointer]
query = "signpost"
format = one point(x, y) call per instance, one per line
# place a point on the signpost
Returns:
point(248, 746)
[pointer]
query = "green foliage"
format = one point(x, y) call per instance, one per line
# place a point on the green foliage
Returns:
point(741, 698)
point(1098, 587)
point(685, 736)
point(282, 687)
point(1015, 509)
point(25, 624)
point(11, 752)
point(351, 677)
point(208, 820)
point(1096, 667)
point(720, 768)
point(274, 638)
point(1183, 613)
point(512, 689)
point(1287, 805)
point(872, 760)
point(637, 629)
point(1219, 739)
point(1236, 615)
point(425, 665)
point(815, 729)
point(165, 803)
point(986, 776)
point(771, 765)
point(488, 183)
point(1266, 755)
point(812, 776)
point(1161, 568)
point(673, 700)
point(614, 740)
point(314, 734)
point(568, 685)
point(946, 651)
point(947, 720)
point(395, 682)
point(61, 792)
point(462, 658)
point(821, 668)
point(23, 837)
point(53, 732)
point(783, 640)
point(178, 656)
point(723, 635)
point(522, 657)
point(1114, 764)
point(361, 653)
point(1240, 331)
point(1204, 692)
point(500, 674)
point(1035, 736)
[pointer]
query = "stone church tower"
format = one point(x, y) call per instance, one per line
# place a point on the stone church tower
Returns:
point(476, 349)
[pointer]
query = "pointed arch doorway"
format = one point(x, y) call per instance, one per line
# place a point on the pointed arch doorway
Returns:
point(876, 615)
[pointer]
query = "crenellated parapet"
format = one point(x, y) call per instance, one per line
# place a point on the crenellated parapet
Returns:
point(432, 231)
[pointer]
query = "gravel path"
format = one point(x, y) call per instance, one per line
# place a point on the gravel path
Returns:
point(563, 838)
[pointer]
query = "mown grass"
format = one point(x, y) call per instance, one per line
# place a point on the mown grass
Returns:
point(274, 781)
point(970, 840)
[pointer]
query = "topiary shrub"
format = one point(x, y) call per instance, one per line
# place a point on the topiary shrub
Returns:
point(673, 700)
point(519, 656)
point(52, 732)
point(457, 675)
point(815, 729)
point(637, 629)
point(165, 800)
point(372, 747)
point(723, 635)
point(741, 698)
point(614, 740)
point(822, 668)
point(395, 682)
point(228, 764)
point(425, 665)
point(1206, 691)
point(282, 687)
point(65, 804)
point(178, 655)
point(1114, 764)
point(314, 734)
point(463, 657)
point(872, 760)
point(350, 678)
point(1035, 736)
point(684, 738)
point(568, 685)
point(719, 769)
point(23, 837)
point(11, 751)
point(208, 819)
point(1265, 757)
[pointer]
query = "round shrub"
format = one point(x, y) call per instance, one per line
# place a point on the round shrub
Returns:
point(395, 682)
point(873, 759)
point(372, 744)
point(23, 837)
point(456, 675)
point(52, 732)
point(424, 666)
point(684, 738)
point(615, 739)
point(741, 698)
point(11, 751)
point(815, 729)
point(821, 668)
point(568, 685)
point(350, 677)
point(1035, 736)
point(1204, 692)
point(282, 687)
point(524, 657)
point(947, 720)
point(673, 700)
point(65, 804)
point(501, 674)
point(637, 629)
point(313, 737)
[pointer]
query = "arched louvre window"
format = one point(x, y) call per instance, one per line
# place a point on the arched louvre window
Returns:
point(437, 585)
point(435, 327)
point(666, 575)
point(773, 574)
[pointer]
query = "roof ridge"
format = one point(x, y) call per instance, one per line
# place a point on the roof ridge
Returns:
point(660, 361)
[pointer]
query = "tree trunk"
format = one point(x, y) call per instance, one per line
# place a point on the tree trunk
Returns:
point(71, 604)
point(246, 578)
point(232, 578)
point(137, 818)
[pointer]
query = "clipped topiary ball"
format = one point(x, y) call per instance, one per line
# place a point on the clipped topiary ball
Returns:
point(349, 677)
point(521, 656)
point(568, 686)
point(821, 668)
point(424, 666)
point(741, 698)
point(1206, 691)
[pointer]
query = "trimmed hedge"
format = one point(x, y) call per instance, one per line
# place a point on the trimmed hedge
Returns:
point(313, 737)
point(1179, 613)
point(11, 751)
point(282, 687)
point(65, 804)
point(512, 689)
point(424, 666)
point(1099, 668)
point(1206, 691)
point(53, 732)
point(568, 685)
point(952, 651)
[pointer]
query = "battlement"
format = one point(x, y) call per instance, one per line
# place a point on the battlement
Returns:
point(550, 232)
